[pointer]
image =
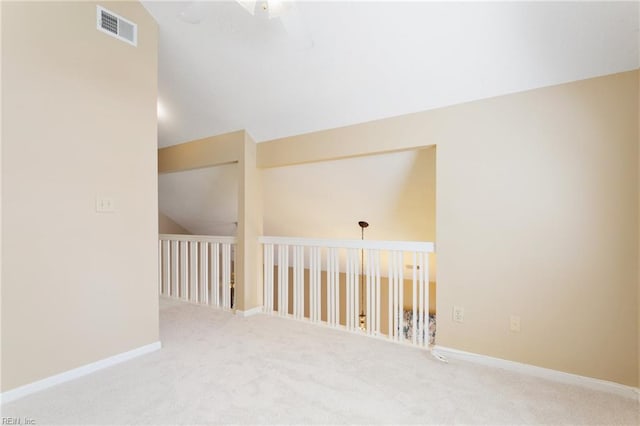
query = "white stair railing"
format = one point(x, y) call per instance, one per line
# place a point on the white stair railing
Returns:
point(196, 268)
point(327, 281)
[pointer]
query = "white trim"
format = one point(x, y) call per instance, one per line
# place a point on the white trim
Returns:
point(208, 238)
point(30, 388)
point(190, 302)
point(357, 244)
point(250, 312)
point(546, 373)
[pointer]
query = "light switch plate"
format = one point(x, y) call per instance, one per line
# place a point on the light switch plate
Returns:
point(105, 205)
point(514, 323)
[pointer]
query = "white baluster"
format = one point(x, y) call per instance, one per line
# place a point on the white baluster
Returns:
point(160, 267)
point(392, 296)
point(331, 296)
point(283, 279)
point(401, 293)
point(392, 279)
point(265, 275)
point(349, 295)
point(356, 289)
point(167, 267)
point(396, 303)
point(423, 298)
point(296, 291)
point(174, 269)
point(312, 284)
point(193, 271)
point(336, 284)
point(301, 282)
point(355, 314)
point(224, 280)
point(371, 291)
point(204, 269)
point(285, 271)
point(414, 315)
point(355, 284)
point(226, 275)
point(377, 293)
point(368, 291)
point(280, 279)
point(184, 271)
point(317, 274)
point(214, 273)
point(425, 278)
point(271, 279)
point(298, 284)
point(330, 307)
point(333, 278)
point(421, 316)
point(268, 277)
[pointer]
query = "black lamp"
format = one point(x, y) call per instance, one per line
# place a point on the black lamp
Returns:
point(363, 317)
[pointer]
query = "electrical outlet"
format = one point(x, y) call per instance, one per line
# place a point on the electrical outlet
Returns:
point(458, 314)
point(514, 323)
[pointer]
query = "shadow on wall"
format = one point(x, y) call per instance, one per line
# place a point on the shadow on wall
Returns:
point(415, 205)
point(166, 225)
point(201, 201)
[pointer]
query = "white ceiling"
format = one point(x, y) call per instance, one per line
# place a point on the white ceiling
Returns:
point(351, 62)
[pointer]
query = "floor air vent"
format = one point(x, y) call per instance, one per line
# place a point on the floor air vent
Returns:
point(117, 26)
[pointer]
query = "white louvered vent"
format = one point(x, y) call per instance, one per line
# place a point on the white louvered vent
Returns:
point(116, 26)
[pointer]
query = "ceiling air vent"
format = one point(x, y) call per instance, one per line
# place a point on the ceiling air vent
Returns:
point(117, 26)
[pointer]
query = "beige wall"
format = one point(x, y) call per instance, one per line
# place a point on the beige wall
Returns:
point(249, 253)
point(537, 216)
point(536, 208)
point(206, 152)
point(79, 115)
point(166, 225)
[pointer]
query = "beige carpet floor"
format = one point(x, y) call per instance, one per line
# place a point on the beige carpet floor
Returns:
point(215, 368)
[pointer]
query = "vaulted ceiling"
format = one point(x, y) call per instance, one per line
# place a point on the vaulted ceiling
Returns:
point(321, 65)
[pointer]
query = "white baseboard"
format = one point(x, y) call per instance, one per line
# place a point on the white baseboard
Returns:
point(250, 312)
point(546, 373)
point(19, 392)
